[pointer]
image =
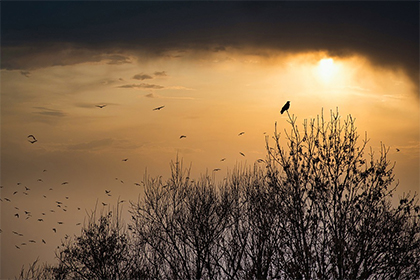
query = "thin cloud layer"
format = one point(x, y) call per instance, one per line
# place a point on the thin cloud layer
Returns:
point(142, 77)
point(75, 32)
point(142, 86)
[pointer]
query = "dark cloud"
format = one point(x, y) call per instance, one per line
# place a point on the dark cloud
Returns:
point(143, 86)
point(160, 74)
point(25, 73)
point(49, 112)
point(65, 32)
point(142, 77)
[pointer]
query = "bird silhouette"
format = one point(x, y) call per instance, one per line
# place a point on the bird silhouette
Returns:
point(32, 139)
point(158, 108)
point(101, 106)
point(285, 107)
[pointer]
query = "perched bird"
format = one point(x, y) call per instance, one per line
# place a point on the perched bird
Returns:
point(32, 139)
point(285, 107)
point(101, 106)
point(182, 136)
point(242, 133)
point(158, 108)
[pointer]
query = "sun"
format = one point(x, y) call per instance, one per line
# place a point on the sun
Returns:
point(326, 69)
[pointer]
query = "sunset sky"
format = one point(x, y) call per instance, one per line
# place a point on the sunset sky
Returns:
point(219, 68)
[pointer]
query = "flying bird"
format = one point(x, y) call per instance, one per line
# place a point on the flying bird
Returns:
point(54, 230)
point(216, 169)
point(125, 159)
point(242, 133)
point(65, 183)
point(101, 106)
point(242, 154)
point(158, 108)
point(182, 136)
point(32, 139)
point(43, 241)
point(397, 150)
point(223, 159)
point(285, 107)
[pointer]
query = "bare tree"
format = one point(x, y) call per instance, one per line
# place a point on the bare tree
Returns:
point(339, 222)
point(102, 251)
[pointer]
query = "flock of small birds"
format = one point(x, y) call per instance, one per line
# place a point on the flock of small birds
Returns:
point(52, 198)
point(59, 205)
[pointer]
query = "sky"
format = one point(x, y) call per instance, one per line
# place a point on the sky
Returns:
point(218, 68)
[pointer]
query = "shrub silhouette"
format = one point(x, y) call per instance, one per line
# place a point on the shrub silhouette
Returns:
point(316, 208)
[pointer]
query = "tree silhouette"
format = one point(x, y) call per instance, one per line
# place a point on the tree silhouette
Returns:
point(318, 207)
